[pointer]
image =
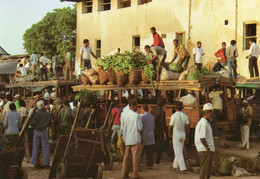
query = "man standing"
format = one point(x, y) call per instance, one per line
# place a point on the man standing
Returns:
point(131, 126)
point(247, 112)
point(180, 133)
point(221, 53)
point(12, 121)
point(253, 55)
point(181, 53)
point(40, 121)
point(43, 66)
point(158, 56)
point(9, 100)
point(148, 134)
point(116, 124)
point(68, 66)
point(216, 101)
point(188, 100)
point(232, 54)
point(197, 55)
point(65, 117)
point(160, 130)
point(55, 60)
point(85, 52)
point(34, 61)
point(157, 40)
point(204, 141)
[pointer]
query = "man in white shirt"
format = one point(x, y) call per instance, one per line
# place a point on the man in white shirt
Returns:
point(21, 72)
point(232, 54)
point(43, 66)
point(9, 100)
point(197, 55)
point(204, 141)
point(131, 126)
point(253, 55)
point(216, 101)
point(179, 131)
point(188, 100)
point(85, 52)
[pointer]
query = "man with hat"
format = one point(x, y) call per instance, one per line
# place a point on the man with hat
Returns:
point(204, 141)
point(247, 112)
point(188, 100)
point(40, 121)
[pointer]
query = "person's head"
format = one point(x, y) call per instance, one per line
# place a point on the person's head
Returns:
point(41, 54)
point(224, 45)
point(190, 92)
point(178, 106)
point(144, 108)
point(133, 105)
point(147, 48)
point(207, 111)
point(37, 97)
point(175, 42)
point(71, 50)
point(35, 53)
point(57, 101)
point(40, 104)
point(75, 103)
point(22, 103)
point(56, 54)
point(86, 42)
point(252, 41)
point(17, 97)
point(12, 107)
point(153, 30)
point(9, 97)
point(233, 42)
point(244, 103)
point(160, 102)
point(199, 44)
point(21, 65)
point(50, 101)
point(131, 97)
point(116, 104)
point(66, 103)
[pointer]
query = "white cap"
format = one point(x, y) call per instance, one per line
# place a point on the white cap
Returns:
point(207, 106)
point(18, 95)
point(245, 101)
point(53, 89)
point(40, 104)
point(7, 93)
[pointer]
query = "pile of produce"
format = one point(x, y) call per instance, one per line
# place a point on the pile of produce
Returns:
point(197, 74)
point(175, 67)
point(87, 97)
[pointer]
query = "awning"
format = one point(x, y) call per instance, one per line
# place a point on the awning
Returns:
point(8, 68)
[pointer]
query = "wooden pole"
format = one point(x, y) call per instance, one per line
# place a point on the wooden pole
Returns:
point(26, 144)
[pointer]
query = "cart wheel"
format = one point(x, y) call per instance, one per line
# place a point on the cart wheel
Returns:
point(109, 159)
point(61, 171)
point(100, 172)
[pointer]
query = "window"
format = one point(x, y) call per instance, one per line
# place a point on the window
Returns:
point(98, 48)
point(249, 33)
point(104, 5)
point(181, 37)
point(226, 22)
point(87, 6)
point(136, 43)
point(124, 3)
point(140, 2)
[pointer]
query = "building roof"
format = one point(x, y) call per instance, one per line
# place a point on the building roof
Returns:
point(3, 52)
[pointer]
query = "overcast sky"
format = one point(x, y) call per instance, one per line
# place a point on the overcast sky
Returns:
point(18, 15)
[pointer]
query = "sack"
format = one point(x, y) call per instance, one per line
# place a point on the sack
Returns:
point(103, 77)
point(111, 76)
point(85, 80)
point(94, 79)
point(183, 75)
point(122, 78)
point(225, 166)
point(25, 79)
point(144, 77)
point(169, 75)
point(239, 172)
point(89, 72)
point(135, 76)
point(121, 145)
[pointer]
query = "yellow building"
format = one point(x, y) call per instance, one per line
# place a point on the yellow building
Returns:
point(125, 24)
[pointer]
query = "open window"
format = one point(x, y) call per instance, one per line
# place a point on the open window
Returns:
point(87, 6)
point(181, 37)
point(104, 5)
point(98, 48)
point(140, 2)
point(249, 33)
point(124, 3)
point(136, 43)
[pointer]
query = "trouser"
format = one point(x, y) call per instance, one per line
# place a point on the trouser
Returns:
point(224, 64)
point(135, 150)
point(199, 66)
point(40, 137)
point(141, 148)
point(158, 148)
point(159, 65)
point(68, 73)
point(53, 70)
point(232, 65)
point(34, 68)
point(86, 63)
point(205, 164)
point(185, 63)
point(43, 71)
point(115, 129)
point(215, 121)
point(148, 149)
point(245, 136)
point(253, 67)
point(178, 145)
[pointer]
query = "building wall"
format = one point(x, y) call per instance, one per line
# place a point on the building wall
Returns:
point(204, 19)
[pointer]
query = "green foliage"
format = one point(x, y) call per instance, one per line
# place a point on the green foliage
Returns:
point(87, 97)
point(56, 32)
point(149, 71)
point(204, 72)
point(176, 67)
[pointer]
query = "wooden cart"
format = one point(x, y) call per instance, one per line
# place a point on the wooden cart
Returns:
point(81, 153)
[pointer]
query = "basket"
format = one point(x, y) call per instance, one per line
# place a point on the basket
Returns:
point(135, 76)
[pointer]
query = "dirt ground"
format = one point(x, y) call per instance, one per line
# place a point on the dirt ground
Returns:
point(163, 171)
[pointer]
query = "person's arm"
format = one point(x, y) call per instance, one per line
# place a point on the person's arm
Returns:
point(194, 55)
point(203, 141)
point(151, 61)
point(93, 55)
point(250, 52)
point(217, 53)
point(164, 126)
point(202, 136)
point(170, 131)
point(202, 52)
point(5, 122)
point(139, 124)
point(81, 55)
point(187, 130)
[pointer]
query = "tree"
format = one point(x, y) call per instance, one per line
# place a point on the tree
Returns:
point(55, 33)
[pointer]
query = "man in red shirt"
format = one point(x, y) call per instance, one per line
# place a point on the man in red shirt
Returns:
point(222, 53)
point(157, 40)
point(116, 125)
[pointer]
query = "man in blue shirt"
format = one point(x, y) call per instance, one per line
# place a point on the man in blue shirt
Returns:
point(12, 121)
point(34, 61)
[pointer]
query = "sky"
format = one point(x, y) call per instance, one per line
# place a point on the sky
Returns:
point(18, 15)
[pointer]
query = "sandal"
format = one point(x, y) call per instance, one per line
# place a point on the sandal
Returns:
point(183, 172)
